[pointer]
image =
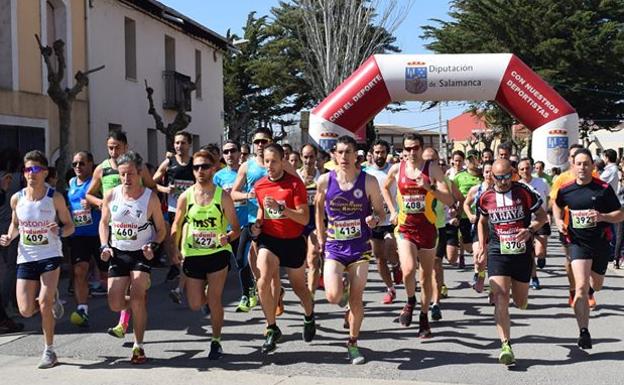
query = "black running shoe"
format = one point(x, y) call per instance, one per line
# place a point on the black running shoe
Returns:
point(405, 318)
point(216, 351)
point(584, 340)
point(173, 273)
point(436, 313)
point(541, 263)
point(309, 330)
point(272, 338)
point(424, 330)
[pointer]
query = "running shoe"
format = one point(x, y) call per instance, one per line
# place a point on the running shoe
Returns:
point(279, 309)
point(57, 308)
point(592, 301)
point(344, 300)
point(309, 330)
point(506, 356)
point(79, 318)
point(272, 338)
point(10, 326)
point(479, 282)
point(354, 355)
point(390, 296)
point(345, 323)
point(48, 360)
point(424, 330)
point(176, 296)
point(173, 273)
point(541, 263)
point(98, 291)
point(584, 340)
point(405, 318)
point(444, 291)
point(118, 331)
point(253, 298)
point(462, 261)
point(243, 305)
point(436, 313)
point(216, 351)
point(535, 283)
point(205, 309)
point(138, 356)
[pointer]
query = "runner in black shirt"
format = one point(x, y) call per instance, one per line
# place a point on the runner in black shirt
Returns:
point(592, 205)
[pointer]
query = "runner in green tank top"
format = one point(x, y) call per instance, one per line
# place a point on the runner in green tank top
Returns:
point(105, 178)
point(200, 230)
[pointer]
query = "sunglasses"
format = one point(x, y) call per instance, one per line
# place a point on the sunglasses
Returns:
point(410, 149)
point(261, 141)
point(230, 151)
point(502, 177)
point(34, 169)
point(203, 167)
point(78, 164)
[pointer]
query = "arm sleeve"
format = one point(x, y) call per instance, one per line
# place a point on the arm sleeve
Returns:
point(535, 200)
point(611, 201)
point(480, 204)
point(300, 194)
point(559, 199)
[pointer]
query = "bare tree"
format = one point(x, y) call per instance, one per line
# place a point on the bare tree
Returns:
point(63, 98)
point(181, 120)
point(340, 34)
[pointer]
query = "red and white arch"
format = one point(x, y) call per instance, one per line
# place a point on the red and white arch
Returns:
point(503, 78)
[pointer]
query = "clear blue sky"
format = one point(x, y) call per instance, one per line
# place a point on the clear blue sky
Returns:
point(221, 16)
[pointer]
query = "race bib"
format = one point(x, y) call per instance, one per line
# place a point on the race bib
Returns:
point(581, 219)
point(347, 230)
point(311, 195)
point(35, 237)
point(275, 214)
point(82, 217)
point(414, 204)
point(510, 245)
point(203, 239)
point(125, 232)
point(180, 185)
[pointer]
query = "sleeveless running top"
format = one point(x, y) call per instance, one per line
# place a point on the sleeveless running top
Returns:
point(130, 227)
point(225, 179)
point(85, 220)
point(254, 173)
point(347, 231)
point(381, 174)
point(203, 226)
point(110, 177)
point(180, 177)
point(415, 203)
point(37, 242)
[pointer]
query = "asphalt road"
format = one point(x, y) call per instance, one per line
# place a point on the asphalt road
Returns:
point(464, 348)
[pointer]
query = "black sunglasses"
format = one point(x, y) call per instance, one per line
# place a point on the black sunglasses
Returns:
point(78, 164)
point(261, 141)
point(203, 167)
point(230, 151)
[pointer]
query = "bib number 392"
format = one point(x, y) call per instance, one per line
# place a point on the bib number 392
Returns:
point(581, 219)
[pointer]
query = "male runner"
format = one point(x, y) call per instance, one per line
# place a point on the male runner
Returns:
point(206, 211)
point(36, 210)
point(174, 176)
point(85, 242)
point(310, 175)
point(105, 178)
point(419, 182)
point(346, 195)
point(282, 215)
point(225, 178)
point(541, 237)
point(129, 211)
point(505, 235)
point(382, 239)
point(592, 206)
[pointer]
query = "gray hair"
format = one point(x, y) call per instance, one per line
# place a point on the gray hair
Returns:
point(131, 157)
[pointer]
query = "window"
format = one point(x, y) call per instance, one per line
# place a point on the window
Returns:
point(198, 72)
point(51, 23)
point(23, 138)
point(152, 146)
point(7, 34)
point(130, 42)
point(114, 127)
point(170, 64)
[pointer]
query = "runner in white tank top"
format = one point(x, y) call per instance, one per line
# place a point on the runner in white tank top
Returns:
point(129, 243)
point(37, 211)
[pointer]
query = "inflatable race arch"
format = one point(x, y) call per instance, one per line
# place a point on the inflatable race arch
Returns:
point(502, 78)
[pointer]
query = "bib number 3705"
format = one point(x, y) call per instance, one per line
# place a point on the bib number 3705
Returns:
point(510, 245)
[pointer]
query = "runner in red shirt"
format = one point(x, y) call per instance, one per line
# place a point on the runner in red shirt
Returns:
point(505, 235)
point(282, 214)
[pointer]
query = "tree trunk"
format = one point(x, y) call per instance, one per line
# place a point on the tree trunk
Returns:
point(65, 110)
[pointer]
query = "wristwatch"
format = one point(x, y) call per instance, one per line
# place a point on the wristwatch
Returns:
point(104, 247)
